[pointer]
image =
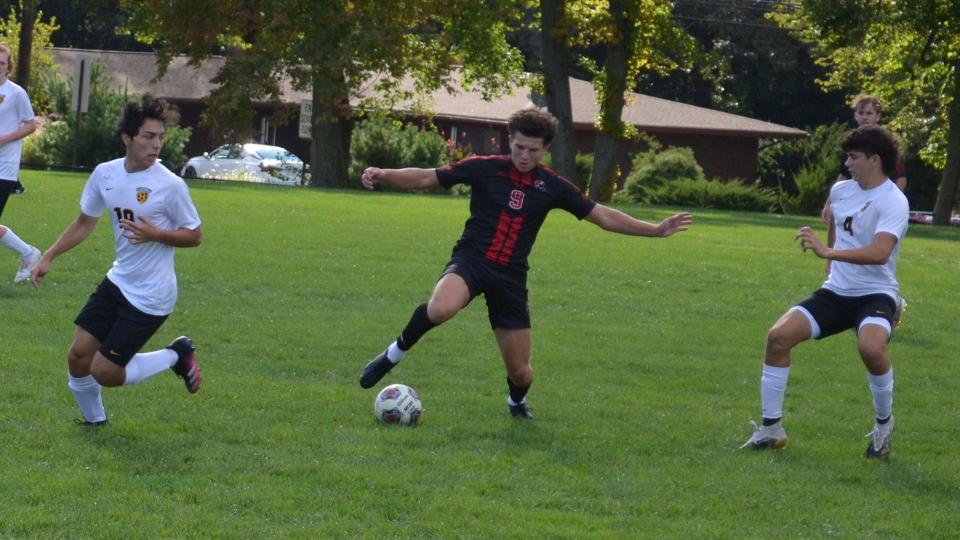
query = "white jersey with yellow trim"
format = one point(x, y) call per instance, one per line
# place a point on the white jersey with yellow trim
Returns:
point(859, 214)
point(143, 272)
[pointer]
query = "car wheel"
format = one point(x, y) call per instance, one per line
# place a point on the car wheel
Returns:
point(190, 172)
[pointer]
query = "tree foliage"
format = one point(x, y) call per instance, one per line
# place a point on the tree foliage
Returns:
point(907, 53)
point(746, 64)
point(43, 68)
point(635, 36)
point(339, 50)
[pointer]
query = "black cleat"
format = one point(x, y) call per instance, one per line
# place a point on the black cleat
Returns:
point(19, 189)
point(521, 411)
point(87, 423)
point(375, 370)
point(186, 367)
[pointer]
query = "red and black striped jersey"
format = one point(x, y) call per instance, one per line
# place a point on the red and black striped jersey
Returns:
point(507, 207)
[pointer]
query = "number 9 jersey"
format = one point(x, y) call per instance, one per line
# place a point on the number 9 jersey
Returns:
point(144, 272)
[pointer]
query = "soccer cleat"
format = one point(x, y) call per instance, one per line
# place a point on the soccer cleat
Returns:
point(19, 189)
point(898, 313)
point(87, 423)
point(186, 367)
point(521, 410)
point(880, 437)
point(764, 437)
point(27, 262)
point(375, 370)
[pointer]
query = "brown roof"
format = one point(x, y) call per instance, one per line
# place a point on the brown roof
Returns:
point(134, 71)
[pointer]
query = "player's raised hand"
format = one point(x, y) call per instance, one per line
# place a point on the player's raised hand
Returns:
point(371, 175)
point(675, 223)
point(809, 240)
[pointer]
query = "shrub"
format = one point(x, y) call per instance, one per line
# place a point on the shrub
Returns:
point(702, 193)
point(802, 169)
point(655, 167)
point(385, 142)
point(96, 139)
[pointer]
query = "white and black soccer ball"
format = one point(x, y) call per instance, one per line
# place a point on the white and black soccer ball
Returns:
point(398, 404)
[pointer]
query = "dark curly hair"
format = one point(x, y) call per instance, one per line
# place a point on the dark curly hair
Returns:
point(533, 123)
point(135, 114)
point(874, 141)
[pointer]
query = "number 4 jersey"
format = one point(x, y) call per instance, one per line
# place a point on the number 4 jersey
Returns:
point(143, 272)
point(859, 215)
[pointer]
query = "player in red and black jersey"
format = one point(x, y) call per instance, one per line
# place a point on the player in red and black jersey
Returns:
point(510, 198)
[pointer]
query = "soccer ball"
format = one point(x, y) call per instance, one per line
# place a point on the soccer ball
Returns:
point(398, 404)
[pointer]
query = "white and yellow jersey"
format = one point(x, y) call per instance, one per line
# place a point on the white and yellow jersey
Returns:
point(143, 272)
point(859, 214)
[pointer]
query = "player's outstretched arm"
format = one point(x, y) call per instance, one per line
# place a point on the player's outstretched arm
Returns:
point(75, 233)
point(613, 220)
point(411, 178)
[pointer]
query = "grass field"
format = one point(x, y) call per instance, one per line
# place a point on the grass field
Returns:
point(647, 358)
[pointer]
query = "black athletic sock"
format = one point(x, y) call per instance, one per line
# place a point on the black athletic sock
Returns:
point(885, 420)
point(419, 325)
point(771, 421)
point(517, 393)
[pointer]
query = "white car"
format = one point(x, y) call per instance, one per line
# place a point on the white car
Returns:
point(249, 163)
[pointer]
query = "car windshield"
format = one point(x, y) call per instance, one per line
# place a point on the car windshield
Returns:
point(276, 153)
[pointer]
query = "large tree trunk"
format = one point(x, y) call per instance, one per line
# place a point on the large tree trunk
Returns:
point(27, 16)
point(556, 77)
point(947, 195)
point(605, 171)
point(330, 132)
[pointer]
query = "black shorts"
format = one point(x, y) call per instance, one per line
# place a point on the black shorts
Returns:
point(121, 329)
point(6, 188)
point(835, 313)
point(504, 291)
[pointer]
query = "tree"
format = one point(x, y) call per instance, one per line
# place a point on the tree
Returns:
point(28, 13)
point(635, 35)
point(746, 64)
point(336, 49)
point(907, 53)
point(555, 32)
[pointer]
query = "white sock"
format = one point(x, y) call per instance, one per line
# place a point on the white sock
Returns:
point(145, 365)
point(881, 386)
point(86, 390)
point(12, 241)
point(773, 387)
point(395, 353)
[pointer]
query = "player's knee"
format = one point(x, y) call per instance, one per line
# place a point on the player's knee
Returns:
point(779, 341)
point(79, 361)
point(872, 352)
point(521, 375)
point(440, 313)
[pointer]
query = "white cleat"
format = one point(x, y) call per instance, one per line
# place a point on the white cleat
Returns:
point(27, 262)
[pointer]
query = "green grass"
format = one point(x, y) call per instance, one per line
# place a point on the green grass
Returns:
point(647, 358)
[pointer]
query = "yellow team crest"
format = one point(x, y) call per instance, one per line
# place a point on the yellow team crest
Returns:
point(3, 97)
point(143, 194)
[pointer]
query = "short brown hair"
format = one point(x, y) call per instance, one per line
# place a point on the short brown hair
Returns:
point(533, 123)
point(874, 141)
point(4, 48)
point(862, 99)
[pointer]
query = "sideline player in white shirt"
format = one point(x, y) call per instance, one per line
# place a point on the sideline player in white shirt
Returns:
point(860, 292)
point(16, 122)
point(152, 213)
